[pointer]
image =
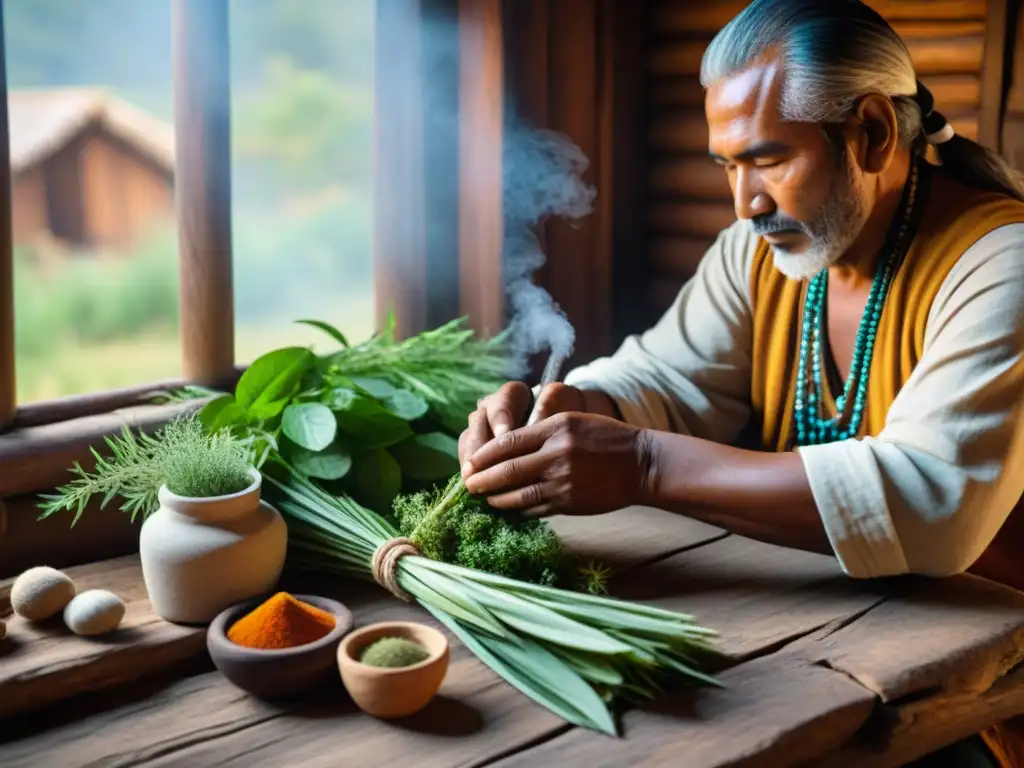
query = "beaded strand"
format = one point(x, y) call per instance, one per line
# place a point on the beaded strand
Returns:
point(812, 427)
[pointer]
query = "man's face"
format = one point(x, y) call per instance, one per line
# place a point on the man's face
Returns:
point(794, 189)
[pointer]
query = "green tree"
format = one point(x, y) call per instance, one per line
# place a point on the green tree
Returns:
point(306, 128)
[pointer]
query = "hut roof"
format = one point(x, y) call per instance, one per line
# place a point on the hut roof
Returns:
point(43, 121)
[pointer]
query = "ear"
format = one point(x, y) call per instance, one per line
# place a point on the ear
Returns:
point(876, 132)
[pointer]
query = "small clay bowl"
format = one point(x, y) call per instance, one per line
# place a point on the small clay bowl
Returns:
point(389, 692)
point(276, 674)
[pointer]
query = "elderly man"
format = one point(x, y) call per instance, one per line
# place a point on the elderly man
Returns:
point(845, 372)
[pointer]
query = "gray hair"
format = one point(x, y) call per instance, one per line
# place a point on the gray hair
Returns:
point(834, 52)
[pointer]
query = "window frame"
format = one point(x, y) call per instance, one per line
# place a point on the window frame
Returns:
point(40, 441)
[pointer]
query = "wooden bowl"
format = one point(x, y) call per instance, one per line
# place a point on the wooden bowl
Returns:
point(276, 674)
point(389, 692)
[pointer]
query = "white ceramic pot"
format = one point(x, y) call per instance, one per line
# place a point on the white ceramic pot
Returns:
point(200, 556)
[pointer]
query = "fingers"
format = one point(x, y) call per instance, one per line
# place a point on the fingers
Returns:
point(557, 398)
point(535, 500)
point(495, 415)
point(476, 435)
point(510, 445)
point(506, 409)
point(508, 475)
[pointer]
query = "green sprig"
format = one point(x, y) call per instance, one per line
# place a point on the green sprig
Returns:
point(181, 456)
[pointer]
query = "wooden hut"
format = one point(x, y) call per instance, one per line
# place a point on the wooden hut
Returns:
point(88, 169)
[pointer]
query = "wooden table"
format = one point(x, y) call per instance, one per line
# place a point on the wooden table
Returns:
point(823, 670)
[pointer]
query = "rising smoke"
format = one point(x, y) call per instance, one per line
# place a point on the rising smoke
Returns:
point(543, 177)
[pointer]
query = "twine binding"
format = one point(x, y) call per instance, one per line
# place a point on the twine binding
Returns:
point(385, 565)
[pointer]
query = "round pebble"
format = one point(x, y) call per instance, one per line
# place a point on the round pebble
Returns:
point(41, 592)
point(94, 612)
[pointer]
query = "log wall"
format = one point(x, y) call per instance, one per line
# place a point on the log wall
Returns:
point(688, 199)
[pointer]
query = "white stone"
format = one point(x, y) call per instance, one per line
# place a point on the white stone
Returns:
point(41, 592)
point(94, 612)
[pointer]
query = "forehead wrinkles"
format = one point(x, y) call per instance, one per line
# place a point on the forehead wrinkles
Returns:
point(744, 107)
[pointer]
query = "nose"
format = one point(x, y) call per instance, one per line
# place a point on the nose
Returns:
point(749, 197)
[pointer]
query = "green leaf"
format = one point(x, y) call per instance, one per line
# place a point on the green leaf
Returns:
point(378, 480)
point(364, 419)
point(309, 425)
point(430, 456)
point(327, 328)
point(406, 404)
point(379, 388)
point(332, 463)
point(273, 377)
point(221, 412)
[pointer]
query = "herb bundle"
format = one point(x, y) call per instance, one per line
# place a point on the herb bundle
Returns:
point(372, 420)
point(354, 444)
point(571, 652)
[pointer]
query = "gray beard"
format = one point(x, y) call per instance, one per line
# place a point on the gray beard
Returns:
point(832, 231)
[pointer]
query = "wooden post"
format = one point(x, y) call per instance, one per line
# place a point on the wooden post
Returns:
point(202, 122)
point(7, 373)
point(481, 186)
point(1013, 123)
point(993, 66)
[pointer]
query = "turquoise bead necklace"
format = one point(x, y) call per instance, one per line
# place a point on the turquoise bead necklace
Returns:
point(812, 426)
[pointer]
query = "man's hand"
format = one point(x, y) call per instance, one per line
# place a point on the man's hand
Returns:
point(508, 409)
point(571, 463)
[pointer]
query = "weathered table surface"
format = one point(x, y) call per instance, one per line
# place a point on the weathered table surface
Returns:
point(824, 670)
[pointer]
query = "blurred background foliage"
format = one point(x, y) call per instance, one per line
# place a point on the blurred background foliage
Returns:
point(302, 109)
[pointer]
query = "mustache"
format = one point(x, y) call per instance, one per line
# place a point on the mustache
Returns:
point(771, 223)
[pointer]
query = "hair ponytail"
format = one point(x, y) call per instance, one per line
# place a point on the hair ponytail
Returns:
point(836, 51)
point(965, 161)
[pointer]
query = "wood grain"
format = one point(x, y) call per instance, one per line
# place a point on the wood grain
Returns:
point(899, 735)
point(694, 176)
point(948, 55)
point(931, 55)
point(631, 537)
point(684, 130)
point(205, 720)
point(758, 597)
point(684, 16)
point(994, 65)
point(959, 635)
point(678, 256)
point(41, 665)
point(8, 387)
point(202, 186)
point(678, 58)
point(676, 92)
point(481, 202)
point(690, 219)
point(93, 403)
point(578, 272)
point(100, 534)
point(35, 459)
point(774, 711)
point(1013, 122)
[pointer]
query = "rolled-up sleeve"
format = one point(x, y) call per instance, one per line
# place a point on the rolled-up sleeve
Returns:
point(690, 373)
point(929, 494)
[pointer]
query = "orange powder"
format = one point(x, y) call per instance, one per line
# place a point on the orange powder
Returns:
point(281, 622)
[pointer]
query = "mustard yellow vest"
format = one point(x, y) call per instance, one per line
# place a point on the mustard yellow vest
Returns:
point(953, 219)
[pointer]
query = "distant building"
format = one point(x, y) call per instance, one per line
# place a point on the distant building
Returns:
point(90, 171)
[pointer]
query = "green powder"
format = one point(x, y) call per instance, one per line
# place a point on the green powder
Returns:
point(393, 652)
